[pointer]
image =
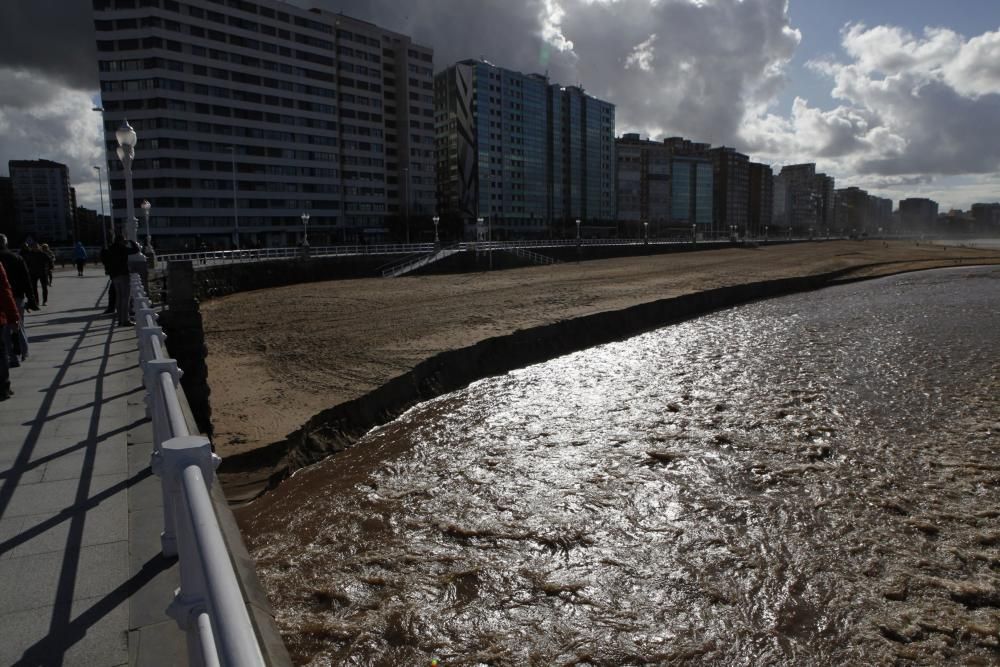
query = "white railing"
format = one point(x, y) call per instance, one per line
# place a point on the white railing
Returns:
point(412, 264)
point(216, 257)
point(209, 604)
point(262, 254)
point(532, 256)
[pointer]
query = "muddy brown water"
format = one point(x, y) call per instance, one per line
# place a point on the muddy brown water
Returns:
point(811, 480)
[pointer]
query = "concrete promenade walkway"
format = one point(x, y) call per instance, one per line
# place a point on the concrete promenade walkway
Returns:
point(81, 578)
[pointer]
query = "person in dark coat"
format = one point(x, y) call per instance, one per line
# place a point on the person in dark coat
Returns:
point(52, 261)
point(118, 270)
point(80, 257)
point(9, 317)
point(15, 337)
point(38, 268)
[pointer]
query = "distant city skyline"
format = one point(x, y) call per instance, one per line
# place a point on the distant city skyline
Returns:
point(899, 98)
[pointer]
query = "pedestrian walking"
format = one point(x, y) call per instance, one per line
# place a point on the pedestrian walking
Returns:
point(118, 269)
point(52, 261)
point(9, 317)
point(80, 257)
point(15, 338)
point(38, 267)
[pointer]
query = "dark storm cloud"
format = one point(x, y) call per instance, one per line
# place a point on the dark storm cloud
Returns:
point(52, 37)
point(504, 32)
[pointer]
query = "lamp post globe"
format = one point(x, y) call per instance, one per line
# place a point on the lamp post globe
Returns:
point(148, 249)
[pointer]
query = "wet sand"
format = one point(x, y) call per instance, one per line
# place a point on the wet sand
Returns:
point(279, 356)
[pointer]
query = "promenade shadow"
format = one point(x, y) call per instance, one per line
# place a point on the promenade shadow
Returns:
point(78, 319)
point(63, 630)
point(62, 636)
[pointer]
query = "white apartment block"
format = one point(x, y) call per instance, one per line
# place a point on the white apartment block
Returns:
point(278, 109)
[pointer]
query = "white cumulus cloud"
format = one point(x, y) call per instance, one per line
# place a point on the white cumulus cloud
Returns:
point(910, 108)
point(40, 118)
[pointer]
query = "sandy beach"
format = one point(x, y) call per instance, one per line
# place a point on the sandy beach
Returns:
point(279, 356)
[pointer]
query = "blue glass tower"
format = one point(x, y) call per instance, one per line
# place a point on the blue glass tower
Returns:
point(532, 156)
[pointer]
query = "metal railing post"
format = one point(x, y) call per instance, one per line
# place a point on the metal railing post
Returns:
point(190, 602)
point(146, 335)
point(162, 431)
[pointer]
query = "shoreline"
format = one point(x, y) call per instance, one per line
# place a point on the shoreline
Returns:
point(436, 347)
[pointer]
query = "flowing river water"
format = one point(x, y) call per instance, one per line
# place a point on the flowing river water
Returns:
point(810, 480)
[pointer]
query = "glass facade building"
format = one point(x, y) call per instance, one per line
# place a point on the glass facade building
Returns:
point(691, 192)
point(531, 156)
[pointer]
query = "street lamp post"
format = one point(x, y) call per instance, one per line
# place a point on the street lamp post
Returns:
point(406, 201)
point(145, 206)
point(148, 249)
point(765, 233)
point(645, 231)
point(104, 227)
point(305, 234)
point(694, 233)
point(236, 210)
point(436, 219)
point(578, 240)
point(126, 153)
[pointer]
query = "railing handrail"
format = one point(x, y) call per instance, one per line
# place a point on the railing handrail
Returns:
point(209, 605)
point(265, 254)
point(261, 254)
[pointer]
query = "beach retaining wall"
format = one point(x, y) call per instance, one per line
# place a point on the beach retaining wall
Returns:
point(214, 280)
point(339, 427)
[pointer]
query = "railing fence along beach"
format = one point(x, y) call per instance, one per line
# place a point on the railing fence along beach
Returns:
point(209, 604)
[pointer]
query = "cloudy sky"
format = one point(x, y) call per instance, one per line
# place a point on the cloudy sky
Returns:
point(901, 97)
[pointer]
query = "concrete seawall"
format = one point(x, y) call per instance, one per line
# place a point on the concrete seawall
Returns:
point(339, 427)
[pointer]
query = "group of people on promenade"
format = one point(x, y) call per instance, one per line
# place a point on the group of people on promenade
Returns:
point(27, 275)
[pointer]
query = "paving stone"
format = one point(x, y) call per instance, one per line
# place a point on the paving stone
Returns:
point(90, 632)
point(104, 459)
point(55, 496)
point(37, 580)
point(44, 533)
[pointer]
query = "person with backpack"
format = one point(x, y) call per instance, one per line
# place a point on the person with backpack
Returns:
point(80, 257)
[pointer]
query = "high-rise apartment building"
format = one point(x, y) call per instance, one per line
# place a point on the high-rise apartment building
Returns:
point(805, 195)
point(987, 217)
point(644, 183)
point(918, 214)
point(686, 147)
point(824, 202)
point(881, 213)
point(531, 156)
point(8, 223)
point(691, 193)
point(760, 199)
point(44, 202)
point(252, 112)
point(853, 212)
point(731, 183)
